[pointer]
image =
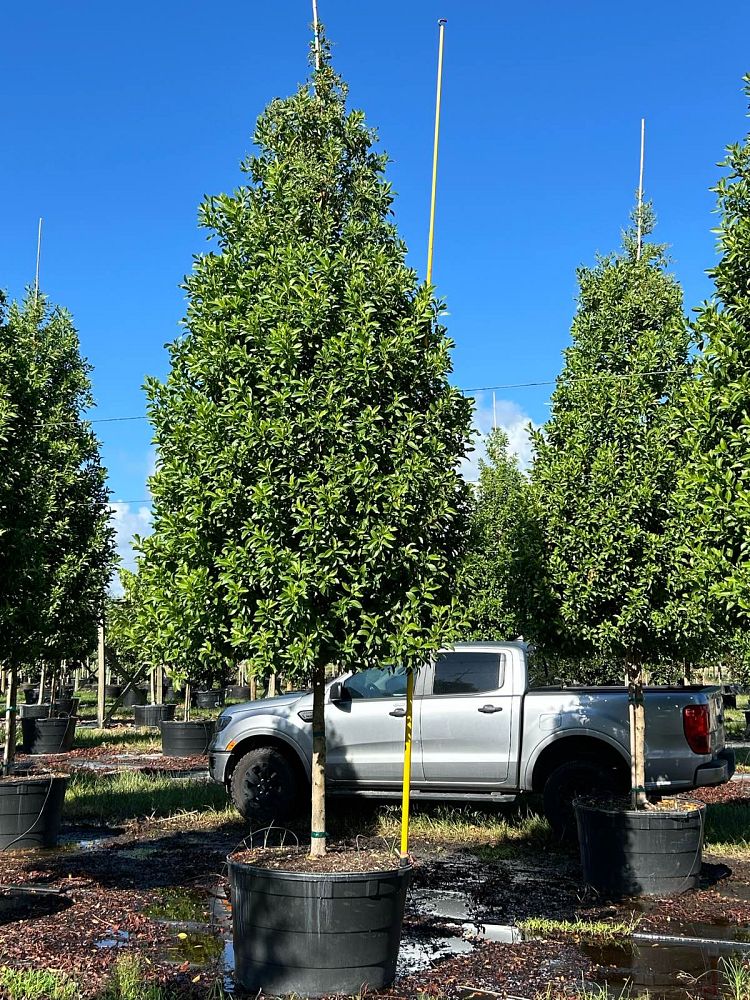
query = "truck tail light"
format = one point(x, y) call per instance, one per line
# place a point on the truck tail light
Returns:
point(696, 723)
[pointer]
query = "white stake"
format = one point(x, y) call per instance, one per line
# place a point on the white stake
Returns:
point(317, 37)
point(38, 259)
point(640, 190)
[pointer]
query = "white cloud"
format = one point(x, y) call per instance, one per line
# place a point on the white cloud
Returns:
point(510, 418)
point(128, 521)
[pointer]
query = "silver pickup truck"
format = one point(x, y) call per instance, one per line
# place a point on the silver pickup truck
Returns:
point(479, 735)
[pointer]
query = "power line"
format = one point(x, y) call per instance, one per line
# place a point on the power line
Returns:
point(484, 388)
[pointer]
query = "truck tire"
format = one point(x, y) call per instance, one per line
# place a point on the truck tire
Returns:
point(567, 782)
point(264, 786)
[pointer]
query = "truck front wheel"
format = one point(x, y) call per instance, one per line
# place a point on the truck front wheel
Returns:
point(567, 782)
point(264, 786)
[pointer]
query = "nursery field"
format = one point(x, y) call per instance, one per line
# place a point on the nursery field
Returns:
point(133, 903)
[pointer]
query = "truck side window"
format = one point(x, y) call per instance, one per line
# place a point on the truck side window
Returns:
point(469, 673)
point(377, 683)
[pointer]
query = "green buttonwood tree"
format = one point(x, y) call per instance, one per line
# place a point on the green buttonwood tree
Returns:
point(503, 581)
point(716, 479)
point(308, 510)
point(605, 469)
point(56, 541)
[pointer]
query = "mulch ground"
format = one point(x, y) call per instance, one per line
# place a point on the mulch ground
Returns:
point(112, 757)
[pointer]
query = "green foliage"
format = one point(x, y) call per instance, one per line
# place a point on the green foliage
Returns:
point(56, 543)
point(607, 460)
point(716, 482)
point(124, 647)
point(37, 984)
point(307, 504)
point(503, 584)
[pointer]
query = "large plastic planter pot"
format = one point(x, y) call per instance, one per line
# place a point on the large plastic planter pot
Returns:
point(186, 739)
point(42, 736)
point(112, 690)
point(238, 692)
point(152, 716)
point(209, 699)
point(34, 711)
point(65, 706)
point(644, 852)
point(313, 935)
point(30, 811)
point(133, 697)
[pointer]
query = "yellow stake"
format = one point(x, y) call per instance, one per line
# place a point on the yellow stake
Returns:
point(406, 784)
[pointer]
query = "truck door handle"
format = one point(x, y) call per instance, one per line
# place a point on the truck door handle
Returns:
point(489, 709)
point(399, 713)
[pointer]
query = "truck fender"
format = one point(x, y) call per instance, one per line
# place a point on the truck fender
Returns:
point(269, 737)
point(580, 734)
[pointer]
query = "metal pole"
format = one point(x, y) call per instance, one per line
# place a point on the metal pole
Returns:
point(38, 259)
point(317, 35)
point(640, 191)
point(431, 239)
point(409, 719)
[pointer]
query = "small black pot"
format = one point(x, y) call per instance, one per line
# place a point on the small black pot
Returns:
point(315, 934)
point(152, 716)
point(34, 711)
point(112, 690)
point(64, 707)
point(30, 811)
point(31, 695)
point(209, 699)
point(41, 736)
point(238, 692)
point(186, 739)
point(643, 852)
point(135, 696)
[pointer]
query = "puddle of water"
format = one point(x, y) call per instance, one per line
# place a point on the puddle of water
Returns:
point(663, 971)
point(198, 947)
point(180, 906)
point(435, 903)
point(417, 954)
point(117, 939)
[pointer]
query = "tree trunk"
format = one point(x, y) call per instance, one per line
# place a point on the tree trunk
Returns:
point(101, 676)
point(272, 686)
point(159, 685)
point(253, 688)
point(186, 709)
point(42, 682)
point(11, 713)
point(637, 720)
point(318, 817)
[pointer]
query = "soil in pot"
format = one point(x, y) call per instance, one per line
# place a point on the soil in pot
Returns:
point(187, 739)
point(152, 716)
point(209, 699)
point(30, 811)
point(644, 852)
point(316, 926)
point(43, 736)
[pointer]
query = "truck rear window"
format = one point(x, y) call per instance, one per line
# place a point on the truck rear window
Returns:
point(469, 673)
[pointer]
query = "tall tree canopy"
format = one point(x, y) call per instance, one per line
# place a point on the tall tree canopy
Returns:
point(716, 480)
point(307, 504)
point(503, 580)
point(606, 466)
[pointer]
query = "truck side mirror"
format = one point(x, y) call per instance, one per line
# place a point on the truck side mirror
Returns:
point(339, 692)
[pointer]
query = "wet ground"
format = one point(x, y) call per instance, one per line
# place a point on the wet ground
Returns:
point(164, 894)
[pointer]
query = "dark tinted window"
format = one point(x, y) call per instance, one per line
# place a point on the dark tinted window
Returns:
point(468, 673)
point(376, 683)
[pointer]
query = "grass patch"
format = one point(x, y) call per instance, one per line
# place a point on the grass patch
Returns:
point(33, 984)
point(728, 828)
point(735, 979)
point(130, 795)
point(120, 736)
point(495, 834)
point(600, 932)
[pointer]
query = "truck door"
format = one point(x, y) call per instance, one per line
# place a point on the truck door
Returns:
point(365, 730)
point(466, 719)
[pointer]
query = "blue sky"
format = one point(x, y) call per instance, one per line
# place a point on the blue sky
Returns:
point(118, 118)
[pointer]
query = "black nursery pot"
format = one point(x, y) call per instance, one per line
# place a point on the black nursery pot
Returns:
point(112, 690)
point(629, 852)
point(238, 692)
point(34, 711)
point(42, 736)
point(209, 699)
point(65, 706)
point(135, 696)
point(186, 739)
point(30, 811)
point(311, 934)
point(152, 716)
